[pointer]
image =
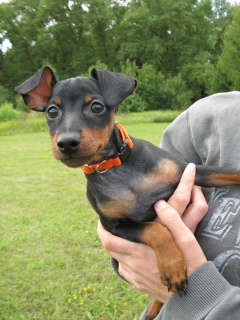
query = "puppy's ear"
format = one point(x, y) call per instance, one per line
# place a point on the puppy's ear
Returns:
point(114, 87)
point(37, 89)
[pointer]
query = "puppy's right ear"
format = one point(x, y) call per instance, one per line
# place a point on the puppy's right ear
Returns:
point(37, 89)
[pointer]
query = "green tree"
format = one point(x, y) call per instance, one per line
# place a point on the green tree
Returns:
point(176, 37)
point(173, 42)
point(23, 58)
point(229, 61)
point(166, 34)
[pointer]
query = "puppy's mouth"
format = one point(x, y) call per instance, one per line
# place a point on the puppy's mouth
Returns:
point(75, 162)
point(80, 157)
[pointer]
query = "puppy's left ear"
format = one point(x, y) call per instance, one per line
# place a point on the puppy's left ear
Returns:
point(114, 87)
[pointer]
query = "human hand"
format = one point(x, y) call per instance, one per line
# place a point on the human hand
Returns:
point(137, 262)
point(182, 221)
point(188, 200)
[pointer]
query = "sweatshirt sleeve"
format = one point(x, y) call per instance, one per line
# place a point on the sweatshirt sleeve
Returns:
point(115, 265)
point(206, 132)
point(178, 140)
point(209, 296)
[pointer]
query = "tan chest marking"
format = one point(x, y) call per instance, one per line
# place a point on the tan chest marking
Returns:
point(120, 207)
point(165, 172)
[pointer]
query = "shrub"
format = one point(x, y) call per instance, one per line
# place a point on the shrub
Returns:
point(178, 96)
point(150, 87)
point(20, 105)
point(99, 65)
point(6, 96)
point(7, 112)
point(129, 68)
point(162, 93)
point(134, 103)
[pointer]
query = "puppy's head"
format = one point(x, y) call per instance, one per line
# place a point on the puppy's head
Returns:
point(80, 111)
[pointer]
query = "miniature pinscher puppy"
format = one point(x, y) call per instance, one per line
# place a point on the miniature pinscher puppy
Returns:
point(125, 176)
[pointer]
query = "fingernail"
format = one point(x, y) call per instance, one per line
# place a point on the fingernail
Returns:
point(161, 204)
point(191, 168)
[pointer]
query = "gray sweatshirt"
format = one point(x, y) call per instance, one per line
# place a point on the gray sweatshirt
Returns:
point(209, 133)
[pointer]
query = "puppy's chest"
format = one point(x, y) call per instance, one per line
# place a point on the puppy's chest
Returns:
point(129, 196)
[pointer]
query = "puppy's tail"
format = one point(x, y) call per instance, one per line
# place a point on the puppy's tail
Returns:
point(207, 176)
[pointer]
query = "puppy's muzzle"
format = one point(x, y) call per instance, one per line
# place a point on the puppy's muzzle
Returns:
point(68, 143)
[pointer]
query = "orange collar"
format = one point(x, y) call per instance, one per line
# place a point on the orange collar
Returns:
point(105, 165)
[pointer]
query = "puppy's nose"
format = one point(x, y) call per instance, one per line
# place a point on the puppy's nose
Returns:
point(68, 143)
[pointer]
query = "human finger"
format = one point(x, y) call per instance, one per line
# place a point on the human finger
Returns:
point(114, 244)
point(182, 236)
point(196, 210)
point(182, 195)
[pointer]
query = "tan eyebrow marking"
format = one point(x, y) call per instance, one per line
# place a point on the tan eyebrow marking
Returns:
point(57, 101)
point(88, 98)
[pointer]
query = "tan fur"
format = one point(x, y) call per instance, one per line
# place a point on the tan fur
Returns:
point(92, 143)
point(223, 179)
point(55, 151)
point(170, 261)
point(165, 172)
point(57, 101)
point(154, 309)
point(88, 98)
point(118, 208)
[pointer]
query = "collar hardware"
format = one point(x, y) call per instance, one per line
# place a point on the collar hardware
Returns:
point(105, 165)
point(99, 166)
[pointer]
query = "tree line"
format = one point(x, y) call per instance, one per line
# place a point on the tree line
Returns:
point(179, 50)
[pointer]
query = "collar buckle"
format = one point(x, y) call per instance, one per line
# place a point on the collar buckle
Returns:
point(124, 150)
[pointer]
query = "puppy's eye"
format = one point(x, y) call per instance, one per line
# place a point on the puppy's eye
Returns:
point(97, 107)
point(52, 112)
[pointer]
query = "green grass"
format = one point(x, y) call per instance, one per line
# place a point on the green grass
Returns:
point(36, 122)
point(52, 264)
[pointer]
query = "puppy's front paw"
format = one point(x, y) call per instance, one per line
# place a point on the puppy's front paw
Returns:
point(173, 274)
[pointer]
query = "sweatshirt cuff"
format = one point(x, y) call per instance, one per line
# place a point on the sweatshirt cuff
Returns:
point(115, 265)
point(206, 288)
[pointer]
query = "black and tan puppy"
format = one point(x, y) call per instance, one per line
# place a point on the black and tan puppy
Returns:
point(125, 176)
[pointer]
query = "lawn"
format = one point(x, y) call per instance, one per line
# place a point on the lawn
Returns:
point(52, 264)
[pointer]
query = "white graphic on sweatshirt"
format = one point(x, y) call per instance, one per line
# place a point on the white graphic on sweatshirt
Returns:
point(223, 219)
point(223, 259)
